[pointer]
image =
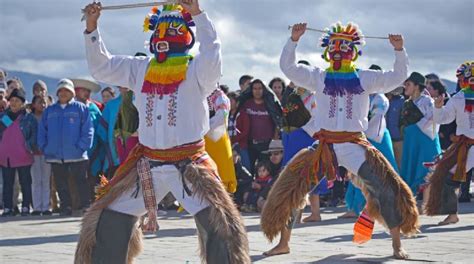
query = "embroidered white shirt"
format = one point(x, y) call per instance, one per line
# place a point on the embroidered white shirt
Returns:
point(347, 113)
point(175, 119)
point(454, 109)
point(378, 108)
point(426, 105)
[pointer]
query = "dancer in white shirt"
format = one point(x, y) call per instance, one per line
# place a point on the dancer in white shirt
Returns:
point(458, 159)
point(342, 99)
point(171, 97)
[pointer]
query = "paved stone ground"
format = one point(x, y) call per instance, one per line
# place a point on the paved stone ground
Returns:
point(53, 240)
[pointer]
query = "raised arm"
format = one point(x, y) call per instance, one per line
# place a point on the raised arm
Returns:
point(104, 67)
point(387, 81)
point(300, 75)
point(444, 114)
point(208, 63)
point(222, 108)
point(426, 106)
point(377, 125)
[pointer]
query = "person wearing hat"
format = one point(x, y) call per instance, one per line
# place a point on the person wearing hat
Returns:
point(420, 133)
point(64, 137)
point(342, 98)
point(84, 89)
point(18, 130)
point(171, 90)
point(275, 152)
point(452, 168)
point(379, 136)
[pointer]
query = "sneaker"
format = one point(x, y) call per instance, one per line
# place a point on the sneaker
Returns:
point(7, 212)
point(46, 213)
point(56, 211)
point(25, 211)
point(36, 213)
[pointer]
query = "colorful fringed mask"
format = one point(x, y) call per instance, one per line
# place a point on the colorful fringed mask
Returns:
point(170, 43)
point(340, 43)
point(465, 74)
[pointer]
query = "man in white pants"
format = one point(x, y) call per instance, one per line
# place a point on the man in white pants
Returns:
point(342, 98)
point(171, 90)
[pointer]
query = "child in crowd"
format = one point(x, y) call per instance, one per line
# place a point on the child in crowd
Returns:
point(244, 177)
point(40, 170)
point(262, 180)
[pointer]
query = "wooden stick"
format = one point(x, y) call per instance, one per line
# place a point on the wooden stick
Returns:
point(322, 31)
point(128, 6)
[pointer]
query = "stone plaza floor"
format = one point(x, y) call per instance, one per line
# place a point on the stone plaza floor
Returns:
point(53, 240)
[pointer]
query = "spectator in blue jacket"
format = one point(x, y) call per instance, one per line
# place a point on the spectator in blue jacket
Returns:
point(392, 117)
point(65, 135)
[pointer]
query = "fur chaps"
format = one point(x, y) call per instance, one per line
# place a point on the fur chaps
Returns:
point(87, 236)
point(224, 216)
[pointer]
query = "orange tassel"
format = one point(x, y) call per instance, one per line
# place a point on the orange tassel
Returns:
point(363, 229)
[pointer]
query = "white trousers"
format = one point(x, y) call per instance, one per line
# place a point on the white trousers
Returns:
point(165, 179)
point(40, 184)
point(350, 156)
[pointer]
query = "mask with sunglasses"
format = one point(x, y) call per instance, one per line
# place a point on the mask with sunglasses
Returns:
point(170, 43)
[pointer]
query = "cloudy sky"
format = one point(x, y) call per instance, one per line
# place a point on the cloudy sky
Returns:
point(45, 36)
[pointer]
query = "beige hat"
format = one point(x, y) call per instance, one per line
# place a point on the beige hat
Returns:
point(275, 145)
point(86, 84)
point(66, 84)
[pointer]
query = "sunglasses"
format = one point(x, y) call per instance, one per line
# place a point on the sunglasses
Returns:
point(276, 153)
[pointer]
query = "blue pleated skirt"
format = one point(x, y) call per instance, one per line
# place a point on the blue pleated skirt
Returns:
point(417, 149)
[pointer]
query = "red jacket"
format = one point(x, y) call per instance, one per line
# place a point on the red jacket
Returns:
point(243, 129)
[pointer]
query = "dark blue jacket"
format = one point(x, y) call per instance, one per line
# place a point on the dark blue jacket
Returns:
point(66, 134)
point(393, 117)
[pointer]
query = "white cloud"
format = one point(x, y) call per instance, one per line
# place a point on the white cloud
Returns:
point(46, 36)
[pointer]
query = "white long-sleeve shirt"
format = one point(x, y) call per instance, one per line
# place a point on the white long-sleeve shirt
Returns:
point(174, 119)
point(426, 105)
point(379, 105)
point(220, 104)
point(454, 109)
point(347, 113)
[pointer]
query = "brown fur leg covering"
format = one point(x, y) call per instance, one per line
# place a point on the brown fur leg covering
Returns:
point(224, 216)
point(404, 199)
point(87, 235)
point(442, 197)
point(287, 194)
